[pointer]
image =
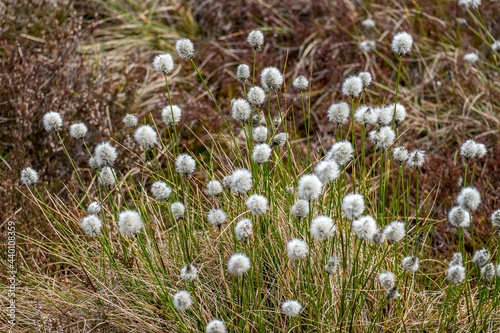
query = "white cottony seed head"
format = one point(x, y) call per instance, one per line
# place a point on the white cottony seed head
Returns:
point(322, 228)
point(256, 96)
point(352, 86)
point(366, 78)
point(105, 154)
point(171, 115)
point(495, 218)
point(215, 326)
point(238, 264)
point(364, 116)
point(94, 164)
point(160, 190)
point(261, 153)
point(300, 209)
point(481, 257)
point(271, 78)
point(29, 176)
point(459, 217)
point(341, 152)
point(488, 272)
point(327, 171)
point(297, 249)
point(243, 230)
point(395, 231)
point(280, 139)
point(185, 48)
point(301, 83)
point(309, 187)
point(185, 164)
point(471, 57)
point(368, 23)
point(163, 63)
point(383, 137)
point(291, 308)
point(385, 115)
point(257, 204)
point(78, 131)
point(338, 113)
point(129, 223)
point(400, 154)
point(107, 177)
point(416, 159)
point(94, 208)
point(400, 114)
point(256, 39)
point(178, 210)
point(387, 279)
point(130, 121)
point(456, 259)
point(378, 237)
point(401, 43)
point(496, 46)
point(367, 45)
point(216, 217)
point(52, 121)
point(240, 181)
point(469, 198)
point(91, 225)
point(241, 110)
point(410, 264)
point(472, 149)
point(260, 134)
point(364, 227)
point(183, 300)
point(189, 272)
point(214, 188)
point(353, 206)
point(456, 274)
point(243, 73)
point(333, 265)
point(469, 3)
point(392, 293)
point(146, 137)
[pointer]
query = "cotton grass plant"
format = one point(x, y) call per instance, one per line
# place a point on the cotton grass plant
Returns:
point(223, 242)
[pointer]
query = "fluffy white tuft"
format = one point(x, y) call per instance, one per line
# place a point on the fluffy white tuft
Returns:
point(280, 139)
point(309, 187)
point(91, 225)
point(297, 249)
point(341, 152)
point(456, 259)
point(366, 78)
point(378, 237)
point(338, 113)
point(29, 176)
point(78, 131)
point(488, 272)
point(387, 279)
point(185, 164)
point(215, 326)
point(416, 159)
point(260, 134)
point(327, 171)
point(261, 153)
point(256, 96)
point(471, 57)
point(385, 115)
point(352, 86)
point(481, 257)
point(368, 23)
point(495, 218)
point(257, 204)
point(456, 274)
point(94, 208)
point(105, 154)
point(364, 227)
point(107, 177)
point(353, 206)
point(52, 121)
point(238, 264)
point(322, 228)
point(332, 265)
point(410, 264)
point(301, 83)
point(146, 137)
point(367, 45)
point(189, 272)
point(240, 181)
point(178, 210)
point(364, 116)
point(171, 115)
point(395, 231)
point(271, 78)
point(243, 230)
point(472, 149)
point(400, 154)
point(383, 137)
point(129, 223)
point(401, 43)
point(300, 209)
point(185, 48)
point(160, 190)
point(163, 63)
point(469, 198)
point(214, 188)
point(459, 217)
point(183, 300)
point(130, 121)
point(256, 39)
point(291, 308)
point(243, 73)
point(216, 217)
point(469, 3)
point(241, 110)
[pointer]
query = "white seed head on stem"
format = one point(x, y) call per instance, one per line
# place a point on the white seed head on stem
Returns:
point(214, 188)
point(416, 159)
point(481, 257)
point(241, 110)
point(189, 272)
point(488, 272)
point(240, 181)
point(378, 237)
point(469, 198)
point(261, 153)
point(459, 217)
point(243, 230)
point(353, 206)
point(341, 152)
point(456, 274)
point(400, 154)
point(78, 131)
point(469, 3)
point(366, 78)
point(161, 191)
point(395, 231)
point(280, 139)
point(91, 225)
point(322, 228)
point(410, 264)
point(472, 149)
point(29, 176)
point(256, 39)
point(496, 46)
point(185, 48)
point(401, 43)
point(297, 249)
point(291, 308)
point(385, 115)
point(338, 113)
point(257, 204)
point(177, 209)
point(364, 227)
point(364, 116)
point(387, 279)
point(243, 73)
point(94, 164)
point(216, 217)
point(171, 115)
point(105, 154)
point(163, 63)
point(495, 219)
point(183, 300)
point(383, 137)
point(352, 87)
point(260, 134)
point(400, 115)
point(300, 209)
point(367, 45)
point(333, 265)
point(215, 326)
point(301, 83)
point(256, 96)
point(456, 259)
point(368, 23)
point(327, 171)
point(309, 187)
point(146, 137)
point(185, 164)
point(392, 293)
point(52, 121)
point(129, 223)
point(471, 57)
point(130, 121)
point(271, 78)
point(107, 177)
point(238, 264)
point(94, 208)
